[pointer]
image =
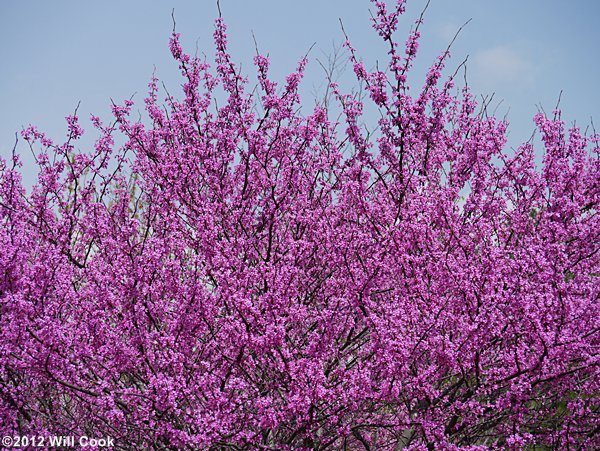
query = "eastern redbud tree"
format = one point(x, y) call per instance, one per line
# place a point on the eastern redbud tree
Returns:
point(248, 274)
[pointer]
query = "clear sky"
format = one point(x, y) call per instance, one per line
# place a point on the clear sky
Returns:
point(57, 53)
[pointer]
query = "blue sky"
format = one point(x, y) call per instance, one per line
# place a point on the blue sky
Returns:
point(57, 53)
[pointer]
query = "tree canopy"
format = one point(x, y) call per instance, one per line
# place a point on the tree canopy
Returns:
point(250, 274)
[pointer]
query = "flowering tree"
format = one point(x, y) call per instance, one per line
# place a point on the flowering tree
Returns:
point(249, 276)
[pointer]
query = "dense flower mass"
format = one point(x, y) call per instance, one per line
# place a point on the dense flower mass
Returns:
point(244, 274)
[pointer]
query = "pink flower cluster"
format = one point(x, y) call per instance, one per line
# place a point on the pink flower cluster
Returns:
point(243, 275)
